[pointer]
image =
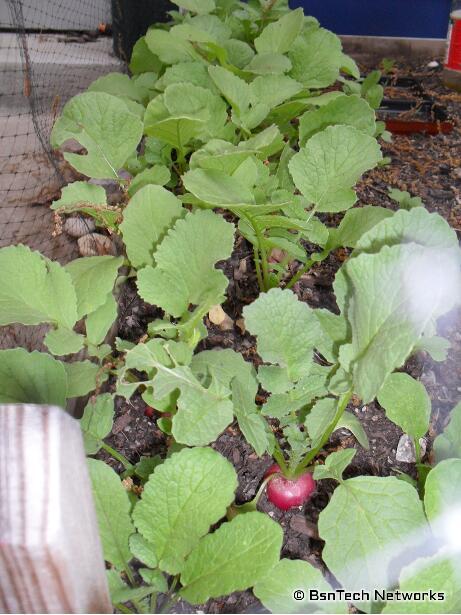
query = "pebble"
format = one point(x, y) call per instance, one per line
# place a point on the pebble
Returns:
point(406, 451)
point(77, 226)
point(433, 64)
point(95, 244)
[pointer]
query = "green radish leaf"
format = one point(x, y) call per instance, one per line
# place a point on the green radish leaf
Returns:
point(186, 72)
point(274, 379)
point(277, 588)
point(331, 162)
point(416, 226)
point(100, 321)
point(356, 222)
point(273, 90)
point(437, 347)
point(103, 125)
point(81, 377)
point(217, 188)
point(79, 194)
point(202, 7)
point(201, 238)
point(31, 378)
point(319, 418)
point(438, 573)
point(149, 214)
point(142, 550)
point(286, 330)
point(333, 334)
point(448, 443)
point(316, 57)
point(96, 422)
point(120, 592)
point(34, 289)
point(278, 36)
point(184, 496)
point(93, 278)
point(350, 422)
point(219, 155)
point(406, 404)
point(268, 64)
point(349, 66)
point(267, 142)
point(142, 59)
point(158, 175)
point(347, 110)
point(120, 85)
point(63, 341)
point(235, 90)
point(415, 286)
point(154, 579)
point(113, 511)
point(251, 423)
point(442, 494)
point(382, 523)
point(335, 464)
point(239, 53)
point(215, 568)
point(169, 48)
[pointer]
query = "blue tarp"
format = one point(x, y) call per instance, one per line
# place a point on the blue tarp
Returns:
point(406, 18)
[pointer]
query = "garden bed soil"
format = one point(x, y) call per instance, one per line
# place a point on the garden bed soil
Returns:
point(426, 166)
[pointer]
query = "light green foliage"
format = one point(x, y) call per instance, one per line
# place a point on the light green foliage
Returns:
point(184, 270)
point(316, 57)
point(33, 377)
point(355, 223)
point(442, 495)
point(273, 90)
point(215, 567)
point(330, 163)
point(113, 512)
point(404, 199)
point(142, 550)
point(81, 377)
point(34, 289)
point(350, 422)
point(93, 278)
point(217, 188)
point(439, 573)
point(448, 443)
point(96, 422)
point(406, 403)
point(202, 7)
point(319, 418)
point(168, 48)
point(286, 330)
point(120, 85)
point(80, 194)
point(142, 59)
point(335, 464)
point(63, 341)
point(158, 175)
point(103, 125)
point(276, 589)
point(99, 322)
point(278, 36)
point(368, 523)
point(347, 110)
point(149, 214)
point(184, 496)
point(437, 347)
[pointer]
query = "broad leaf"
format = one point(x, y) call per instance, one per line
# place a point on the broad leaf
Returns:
point(119, 85)
point(142, 550)
point(439, 573)
point(142, 59)
point(81, 377)
point(448, 443)
point(331, 162)
point(158, 175)
point(277, 588)
point(235, 90)
point(278, 36)
point(316, 57)
point(382, 522)
point(335, 464)
point(149, 214)
point(31, 378)
point(103, 125)
point(350, 422)
point(184, 496)
point(113, 512)
point(273, 89)
point(216, 568)
point(406, 403)
point(169, 48)
point(347, 110)
point(268, 64)
point(184, 271)
point(442, 496)
point(96, 422)
point(34, 289)
point(186, 72)
point(356, 222)
point(63, 341)
point(78, 194)
point(217, 188)
point(286, 330)
point(393, 295)
point(100, 321)
point(93, 278)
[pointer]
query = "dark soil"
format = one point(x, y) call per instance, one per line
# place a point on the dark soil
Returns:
point(426, 166)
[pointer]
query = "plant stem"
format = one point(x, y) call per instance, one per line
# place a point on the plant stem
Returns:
point(129, 574)
point(238, 509)
point(171, 597)
point(342, 404)
point(121, 607)
point(118, 456)
point(280, 458)
point(258, 267)
point(263, 253)
point(307, 265)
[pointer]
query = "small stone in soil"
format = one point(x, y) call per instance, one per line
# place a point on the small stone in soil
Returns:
point(406, 450)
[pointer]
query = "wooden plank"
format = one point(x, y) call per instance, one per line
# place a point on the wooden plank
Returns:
point(50, 553)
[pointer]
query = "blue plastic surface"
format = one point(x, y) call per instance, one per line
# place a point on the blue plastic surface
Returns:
point(405, 18)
